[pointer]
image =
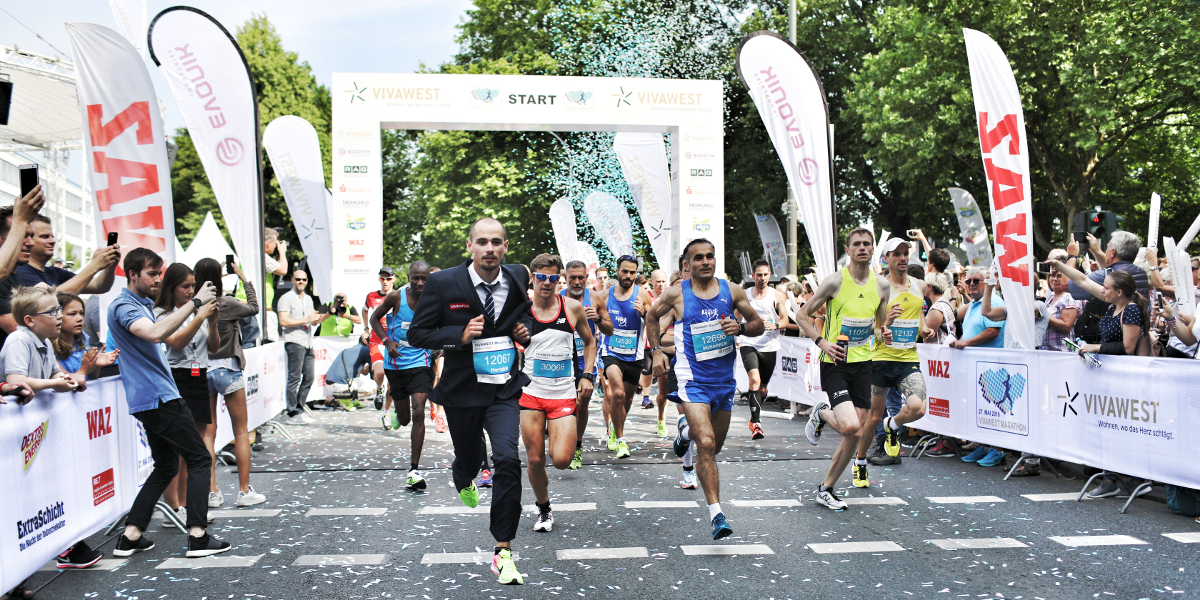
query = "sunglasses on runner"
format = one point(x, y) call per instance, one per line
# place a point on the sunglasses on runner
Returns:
point(545, 277)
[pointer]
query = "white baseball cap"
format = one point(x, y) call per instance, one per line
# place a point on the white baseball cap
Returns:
point(894, 243)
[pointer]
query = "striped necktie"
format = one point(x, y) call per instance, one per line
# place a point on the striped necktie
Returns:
point(489, 307)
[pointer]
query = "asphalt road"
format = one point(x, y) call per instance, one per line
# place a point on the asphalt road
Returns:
point(315, 539)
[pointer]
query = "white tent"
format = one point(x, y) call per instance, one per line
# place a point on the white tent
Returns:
point(208, 243)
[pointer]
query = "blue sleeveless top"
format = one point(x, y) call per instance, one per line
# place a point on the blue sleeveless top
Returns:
point(708, 353)
point(397, 330)
point(626, 341)
point(586, 301)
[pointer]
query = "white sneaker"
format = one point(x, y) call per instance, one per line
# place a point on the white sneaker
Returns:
point(545, 521)
point(830, 500)
point(250, 498)
point(216, 499)
point(812, 429)
point(689, 480)
point(167, 523)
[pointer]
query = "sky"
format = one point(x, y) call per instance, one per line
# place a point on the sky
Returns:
point(373, 36)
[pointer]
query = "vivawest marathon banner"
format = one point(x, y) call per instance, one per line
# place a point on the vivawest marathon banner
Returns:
point(214, 90)
point(974, 231)
point(124, 146)
point(1006, 164)
point(73, 463)
point(295, 152)
point(643, 157)
point(1133, 415)
point(791, 102)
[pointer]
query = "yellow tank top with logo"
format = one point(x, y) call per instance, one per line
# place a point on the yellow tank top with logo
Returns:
point(852, 313)
point(905, 328)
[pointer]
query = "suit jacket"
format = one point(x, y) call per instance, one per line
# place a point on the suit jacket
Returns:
point(448, 302)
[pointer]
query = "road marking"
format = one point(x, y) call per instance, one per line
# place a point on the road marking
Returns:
point(1051, 497)
point(104, 564)
point(840, 547)
point(454, 510)
point(662, 504)
point(767, 503)
point(596, 553)
point(209, 562)
point(565, 507)
point(1191, 537)
point(338, 559)
point(344, 512)
point(964, 499)
point(874, 500)
point(459, 558)
point(1078, 541)
point(778, 415)
point(235, 514)
point(978, 543)
point(726, 549)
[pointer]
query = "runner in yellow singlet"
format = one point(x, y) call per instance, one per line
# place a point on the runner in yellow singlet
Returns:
point(896, 364)
point(854, 310)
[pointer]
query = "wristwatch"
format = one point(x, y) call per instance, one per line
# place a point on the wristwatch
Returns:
point(197, 302)
point(655, 349)
point(589, 376)
point(741, 329)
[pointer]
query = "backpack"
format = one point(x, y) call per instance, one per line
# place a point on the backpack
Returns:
point(1183, 501)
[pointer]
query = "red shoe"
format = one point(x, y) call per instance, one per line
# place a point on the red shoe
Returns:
point(756, 432)
point(439, 423)
point(485, 478)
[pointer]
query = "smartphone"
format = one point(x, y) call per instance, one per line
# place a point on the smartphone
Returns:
point(1044, 268)
point(112, 238)
point(229, 264)
point(912, 233)
point(29, 178)
point(1080, 236)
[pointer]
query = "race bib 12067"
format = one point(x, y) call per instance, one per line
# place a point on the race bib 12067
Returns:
point(493, 358)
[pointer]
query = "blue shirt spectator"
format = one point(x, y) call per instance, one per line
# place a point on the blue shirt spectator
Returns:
point(147, 378)
point(974, 323)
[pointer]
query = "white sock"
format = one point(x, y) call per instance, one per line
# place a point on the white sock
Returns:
point(892, 424)
point(714, 510)
point(690, 455)
point(860, 462)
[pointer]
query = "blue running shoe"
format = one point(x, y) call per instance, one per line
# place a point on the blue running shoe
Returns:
point(979, 453)
point(992, 459)
point(721, 528)
point(681, 445)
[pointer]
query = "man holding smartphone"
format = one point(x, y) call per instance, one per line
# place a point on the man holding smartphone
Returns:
point(14, 250)
point(95, 278)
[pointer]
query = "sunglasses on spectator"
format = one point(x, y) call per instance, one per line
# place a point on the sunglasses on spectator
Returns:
point(972, 281)
point(298, 279)
point(545, 277)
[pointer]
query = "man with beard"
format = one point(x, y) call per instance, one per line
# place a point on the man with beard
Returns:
point(704, 354)
point(623, 350)
point(476, 313)
point(597, 320)
point(407, 369)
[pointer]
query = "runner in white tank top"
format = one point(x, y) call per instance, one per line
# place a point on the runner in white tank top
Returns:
point(758, 353)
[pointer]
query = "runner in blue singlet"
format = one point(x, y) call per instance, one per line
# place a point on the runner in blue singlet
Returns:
point(704, 355)
point(623, 350)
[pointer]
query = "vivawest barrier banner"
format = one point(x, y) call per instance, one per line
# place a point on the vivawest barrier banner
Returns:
point(643, 157)
point(974, 231)
point(295, 152)
point(1006, 164)
point(1133, 415)
point(562, 220)
point(791, 102)
point(73, 463)
point(611, 220)
point(125, 155)
point(772, 241)
point(325, 351)
point(265, 378)
point(214, 90)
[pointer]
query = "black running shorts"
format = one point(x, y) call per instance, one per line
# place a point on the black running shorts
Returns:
point(847, 382)
point(631, 371)
point(763, 361)
point(406, 382)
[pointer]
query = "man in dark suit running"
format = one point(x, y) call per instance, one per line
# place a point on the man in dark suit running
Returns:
point(473, 312)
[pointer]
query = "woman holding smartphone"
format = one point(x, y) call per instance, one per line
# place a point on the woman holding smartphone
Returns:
point(225, 366)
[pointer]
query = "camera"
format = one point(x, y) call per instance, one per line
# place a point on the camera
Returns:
point(339, 305)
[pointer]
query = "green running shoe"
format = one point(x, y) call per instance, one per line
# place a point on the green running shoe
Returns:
point(469, 496)
point(578, 460)
point(416, 481)
point(612, 437)
point(662, 429)
point(622, 449)
point(504, 567)
point(395, 419)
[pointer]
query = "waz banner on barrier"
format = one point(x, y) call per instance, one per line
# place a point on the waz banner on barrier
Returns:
point(214, 91)
point(295, 152)
point(1006, 164)
point(791, 102)
point(974, 231)
point(124, 146)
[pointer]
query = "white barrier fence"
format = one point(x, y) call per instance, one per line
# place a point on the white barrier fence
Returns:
point(265, 377)
point(1133, 415)
point(325, 351)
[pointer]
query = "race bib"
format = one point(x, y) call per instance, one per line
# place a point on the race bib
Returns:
point(858, 330)
point(904, 333)
point(493, 358)
point(623, 341)
point(579, 346)
point(709, 342)
point(403, 341)
point(551, 365)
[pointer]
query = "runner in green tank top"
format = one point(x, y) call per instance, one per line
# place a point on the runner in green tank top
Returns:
point(854, 310)
point(896, 363)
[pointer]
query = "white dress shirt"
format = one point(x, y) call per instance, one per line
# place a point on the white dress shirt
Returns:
point(499, 289)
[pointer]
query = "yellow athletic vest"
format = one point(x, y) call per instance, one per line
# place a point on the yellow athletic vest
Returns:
point(904, 329)
point(852, 313)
